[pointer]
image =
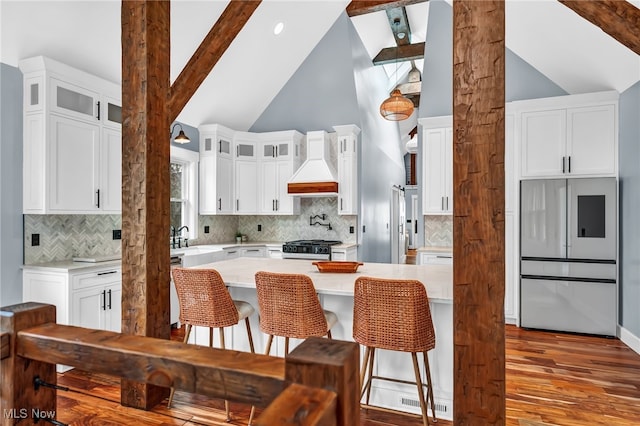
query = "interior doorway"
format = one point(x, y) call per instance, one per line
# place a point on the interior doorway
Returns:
point(413, 223)
point(397, 226)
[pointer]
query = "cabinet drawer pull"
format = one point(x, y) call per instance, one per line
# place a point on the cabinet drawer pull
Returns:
point(103, 296)
point(98, 198)
point(98, 110)
point(109, 305)
point(106, 273)
point(219, 203)
point(276, 205)
point(563, 170)
point(444, 257)
point(252, 250)
point(231, 252)
point(569, 163)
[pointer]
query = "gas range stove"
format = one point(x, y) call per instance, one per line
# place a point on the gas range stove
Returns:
point(308, 249)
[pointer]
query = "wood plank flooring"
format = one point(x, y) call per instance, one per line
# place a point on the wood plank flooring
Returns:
point(552, 379)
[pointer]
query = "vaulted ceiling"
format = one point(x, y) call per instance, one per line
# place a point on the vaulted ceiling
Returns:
point(570, 51)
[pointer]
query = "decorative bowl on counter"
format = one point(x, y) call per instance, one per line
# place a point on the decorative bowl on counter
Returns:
point(337, 266)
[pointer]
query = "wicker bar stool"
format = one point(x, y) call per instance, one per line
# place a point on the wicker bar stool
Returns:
point(290, 308)
point(205, 301)
point(394, 315)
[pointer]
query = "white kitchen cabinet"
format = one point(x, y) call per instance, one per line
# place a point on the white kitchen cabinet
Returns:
point(573, 136)
point(278, 160)
point(96, 300)
point(434, 258)
point(230, 253)
point(110, 183)
point(245, 166)
point(253, 251)
point(71, 140)
point(74, 165)
point(216, 170)
point(345, 254)
point(74, 101)
point(87, 297)
point(347, 169)
point(437, 165)
point(274, 251)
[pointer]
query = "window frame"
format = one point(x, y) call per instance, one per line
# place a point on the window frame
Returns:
point(189, 161)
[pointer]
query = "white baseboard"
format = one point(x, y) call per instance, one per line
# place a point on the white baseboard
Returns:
point(630, 339)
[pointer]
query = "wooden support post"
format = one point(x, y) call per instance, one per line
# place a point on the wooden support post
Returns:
point(478, 228)
point(329, 364)
point(145, 181)
point(19, 401)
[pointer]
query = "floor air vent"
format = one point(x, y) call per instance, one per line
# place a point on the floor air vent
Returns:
point(413, 402)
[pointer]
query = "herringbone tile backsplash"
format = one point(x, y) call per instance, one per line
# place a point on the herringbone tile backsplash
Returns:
point(63, 237)
point(438, 231)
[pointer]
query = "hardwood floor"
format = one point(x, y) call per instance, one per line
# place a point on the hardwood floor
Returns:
point(552, 379)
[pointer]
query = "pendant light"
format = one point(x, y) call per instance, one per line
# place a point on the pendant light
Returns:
point(396, 107)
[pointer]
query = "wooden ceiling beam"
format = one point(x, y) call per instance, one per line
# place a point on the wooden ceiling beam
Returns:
point(399, 23)
point(213, 46)
point(619, 19)
point(362, 7)
point(406, 52)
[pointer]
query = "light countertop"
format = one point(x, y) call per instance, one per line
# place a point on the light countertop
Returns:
point(435, 249)
point(240, 272)
point(70, 265)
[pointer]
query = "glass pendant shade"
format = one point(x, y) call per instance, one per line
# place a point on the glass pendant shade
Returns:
point(396, 107)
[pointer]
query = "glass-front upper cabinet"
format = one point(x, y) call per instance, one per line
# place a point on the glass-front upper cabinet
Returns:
point(74, 101)
point(110, 112)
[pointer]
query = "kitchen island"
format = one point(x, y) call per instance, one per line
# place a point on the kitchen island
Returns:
point(336, 294)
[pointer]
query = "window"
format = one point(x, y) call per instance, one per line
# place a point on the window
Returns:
point(184, 192)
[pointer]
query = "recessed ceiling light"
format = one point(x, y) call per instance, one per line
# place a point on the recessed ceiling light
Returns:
point(278, 28)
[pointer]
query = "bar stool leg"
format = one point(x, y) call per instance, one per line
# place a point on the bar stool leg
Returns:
point(329, 335)
point(286, 345)
point(373, 354)
point(187, 331)
point(268, 347)
point(363, 369)
point(246, 321)
point(423, 406)
point(427, 370)
point(222, 345)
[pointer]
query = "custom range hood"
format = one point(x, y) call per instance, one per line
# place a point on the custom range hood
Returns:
point(317, 176)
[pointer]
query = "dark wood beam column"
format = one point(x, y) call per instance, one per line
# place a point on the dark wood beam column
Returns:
point(478, 228)
point(223, 32)
point(405, 52)
point(361, 7)
point(620, 19)
point(145, 181)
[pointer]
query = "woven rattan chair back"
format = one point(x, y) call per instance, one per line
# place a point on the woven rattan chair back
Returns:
point(289, 306)
point(204, 299)
point(392, 314)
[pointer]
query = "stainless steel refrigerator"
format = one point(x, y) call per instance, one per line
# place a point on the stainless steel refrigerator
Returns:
point(568, 249)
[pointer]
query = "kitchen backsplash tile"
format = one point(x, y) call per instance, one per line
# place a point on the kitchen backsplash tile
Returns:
point(222, 229)
point(65, 236)
point(288, 228)
point(438, 231)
